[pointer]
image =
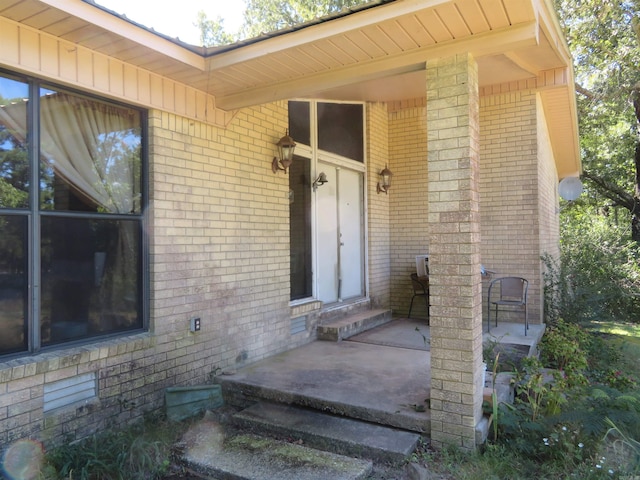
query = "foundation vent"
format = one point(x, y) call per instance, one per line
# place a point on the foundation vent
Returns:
point(298, 325)
point(69, 391)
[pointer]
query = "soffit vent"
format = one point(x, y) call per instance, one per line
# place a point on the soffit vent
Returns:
point(70, 391)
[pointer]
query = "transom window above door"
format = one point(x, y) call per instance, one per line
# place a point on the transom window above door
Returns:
point(339, 127)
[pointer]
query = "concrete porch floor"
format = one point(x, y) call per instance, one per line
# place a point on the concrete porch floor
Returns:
point(382, 375)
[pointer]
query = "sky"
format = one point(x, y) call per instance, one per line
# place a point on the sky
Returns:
point(176, 18)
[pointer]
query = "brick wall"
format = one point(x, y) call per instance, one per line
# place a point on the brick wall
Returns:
point(548, 189)
point(380, 263)
point(518, 184)
point(221, 224)
point(510, 216)
point(219, 241)
point(548, 210)
point(409, 202)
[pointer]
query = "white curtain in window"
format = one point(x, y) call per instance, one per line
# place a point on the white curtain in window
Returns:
point(14, 118)
point(94, 147)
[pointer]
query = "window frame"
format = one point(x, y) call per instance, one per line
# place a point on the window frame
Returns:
point(316, 155)
point(34, 213)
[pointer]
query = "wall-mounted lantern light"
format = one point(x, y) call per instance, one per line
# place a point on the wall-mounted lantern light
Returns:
point(286, 147)
point(385, 180)
point(321, 180)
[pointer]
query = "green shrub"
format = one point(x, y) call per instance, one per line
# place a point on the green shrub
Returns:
point(592, 412)
point(503, 462)
point(564, 347)
point(527, 425)
point(597, 275)
point(568, 402)
point(602, 354)
point(619, 380)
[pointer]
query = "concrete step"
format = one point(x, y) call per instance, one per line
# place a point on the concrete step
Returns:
point(503, 387)
point(331, 433)
point(402, 416)
point(342, 328)
point(211, 449)
point(376, 384)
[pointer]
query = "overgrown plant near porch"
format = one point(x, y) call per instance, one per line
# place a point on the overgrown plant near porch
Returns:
point(581, 425)
point(597, 276)
point(565, 347)
point(142, 451)
point(565, 406)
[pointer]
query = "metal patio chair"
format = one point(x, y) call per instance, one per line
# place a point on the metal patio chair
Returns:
point(511, 292)
point(420, 287)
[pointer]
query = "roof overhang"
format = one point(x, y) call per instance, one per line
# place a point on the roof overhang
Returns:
point(373, 53)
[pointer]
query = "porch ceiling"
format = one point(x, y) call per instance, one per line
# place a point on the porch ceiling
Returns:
point(369, 54)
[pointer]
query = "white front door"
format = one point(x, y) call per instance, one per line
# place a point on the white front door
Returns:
point(340, 239)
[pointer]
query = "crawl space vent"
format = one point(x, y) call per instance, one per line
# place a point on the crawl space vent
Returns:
point(298, 325)
point(69, 391)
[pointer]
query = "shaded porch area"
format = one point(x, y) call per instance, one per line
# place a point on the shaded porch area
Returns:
point(380, 376)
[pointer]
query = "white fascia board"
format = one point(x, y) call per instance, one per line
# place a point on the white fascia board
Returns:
point(478, 45)
point(320, 31)
point(114, 23)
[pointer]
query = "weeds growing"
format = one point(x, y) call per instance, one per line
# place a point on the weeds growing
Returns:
point(140, 452)
point(574, 417)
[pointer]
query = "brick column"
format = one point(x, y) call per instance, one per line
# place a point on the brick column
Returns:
point(454, 249)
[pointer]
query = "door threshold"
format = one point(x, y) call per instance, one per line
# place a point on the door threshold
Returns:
point(350, 303)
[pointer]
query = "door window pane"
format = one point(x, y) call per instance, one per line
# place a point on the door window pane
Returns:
point(300, 227)
point(14, 161)
point(299, 122)
point(340, 129)
point(13, 284)
point(91, 278)
point(91, 155)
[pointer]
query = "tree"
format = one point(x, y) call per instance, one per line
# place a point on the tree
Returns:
point(604, 38)
point(212, 32)
point(264, 16)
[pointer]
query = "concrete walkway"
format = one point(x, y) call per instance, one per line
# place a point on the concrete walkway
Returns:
point(513, 334)
point(382, 375)
point(378, 383)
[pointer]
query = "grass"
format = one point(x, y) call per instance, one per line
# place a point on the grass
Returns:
point(499, 462)
point(631, 330)
point(626, 338)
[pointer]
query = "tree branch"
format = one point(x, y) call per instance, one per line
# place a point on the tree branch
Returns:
point(635, 97)
point(612, 191)
point(583, 91)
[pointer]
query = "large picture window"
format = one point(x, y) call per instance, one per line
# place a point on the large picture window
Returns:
point(71, 224)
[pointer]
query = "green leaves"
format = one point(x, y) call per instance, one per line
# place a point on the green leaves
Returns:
point(604, 40)
point(212, 32)
point(598, 275)
point(263, 16)
point(266, 16)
